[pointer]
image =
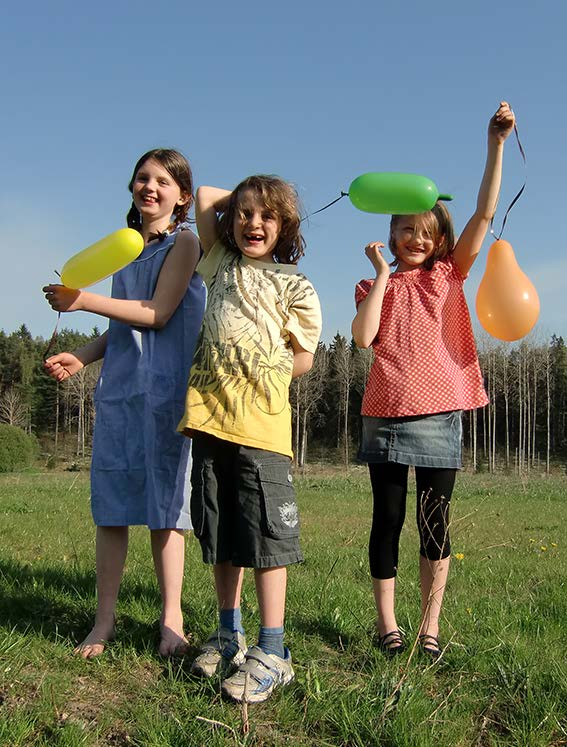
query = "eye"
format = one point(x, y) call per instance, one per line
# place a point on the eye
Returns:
point(267, 215)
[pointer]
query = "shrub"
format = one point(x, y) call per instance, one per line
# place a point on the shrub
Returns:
point(17, 448)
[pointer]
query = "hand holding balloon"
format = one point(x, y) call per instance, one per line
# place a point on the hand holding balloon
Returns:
point(61, 298)
point(502, 123)
point(62, 366)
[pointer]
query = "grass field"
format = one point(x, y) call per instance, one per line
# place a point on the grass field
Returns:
point(502, 679)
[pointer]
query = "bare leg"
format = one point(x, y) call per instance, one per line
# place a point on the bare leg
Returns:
point(271, 584)
point(111, 549)
point(384, 594)
point(168, 550)
point(433, 578)
point(228, 585)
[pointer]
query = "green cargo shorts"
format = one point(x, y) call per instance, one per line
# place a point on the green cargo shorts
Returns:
point(243, 505)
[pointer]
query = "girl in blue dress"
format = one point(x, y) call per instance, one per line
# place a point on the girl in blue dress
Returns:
point(140, 464)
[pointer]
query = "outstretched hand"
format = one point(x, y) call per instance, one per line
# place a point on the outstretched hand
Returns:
point(61, 298)
point(62, 366)
point(502, 123)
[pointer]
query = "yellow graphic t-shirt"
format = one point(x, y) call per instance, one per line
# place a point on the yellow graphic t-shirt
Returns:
point(239, 382)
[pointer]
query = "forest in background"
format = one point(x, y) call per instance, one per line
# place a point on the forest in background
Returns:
point(523, 428)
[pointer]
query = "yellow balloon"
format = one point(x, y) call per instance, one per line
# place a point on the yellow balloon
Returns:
point(102, 259)
point(507, 304)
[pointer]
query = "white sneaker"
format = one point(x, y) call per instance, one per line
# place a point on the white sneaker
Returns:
point(223, 651)
point(255, 680)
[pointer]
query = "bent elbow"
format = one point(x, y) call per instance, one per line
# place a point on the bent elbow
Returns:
point(307, 366)
point(361, 341)
point(160, 320)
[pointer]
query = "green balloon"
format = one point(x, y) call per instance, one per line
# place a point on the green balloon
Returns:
point(394, 193)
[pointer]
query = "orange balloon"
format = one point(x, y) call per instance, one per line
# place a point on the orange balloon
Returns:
point(507, 304)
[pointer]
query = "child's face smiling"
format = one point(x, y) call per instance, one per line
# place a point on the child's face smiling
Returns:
point(414, 242)
point(156, 194)
point(256, 228)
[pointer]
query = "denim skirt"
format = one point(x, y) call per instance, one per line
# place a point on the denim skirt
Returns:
point(420, 440)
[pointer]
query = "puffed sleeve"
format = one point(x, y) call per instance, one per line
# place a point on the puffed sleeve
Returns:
point(361, 291)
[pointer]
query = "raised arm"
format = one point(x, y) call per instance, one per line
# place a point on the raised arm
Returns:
point(367, 320)
point(470, 241)
point(155, 312)
point(209, 202)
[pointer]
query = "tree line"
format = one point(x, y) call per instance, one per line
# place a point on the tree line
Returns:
point(524, 426)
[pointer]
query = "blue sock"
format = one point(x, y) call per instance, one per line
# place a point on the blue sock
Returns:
point(270, 641)
point(231, 619)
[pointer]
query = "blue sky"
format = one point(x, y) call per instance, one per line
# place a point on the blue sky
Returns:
point(318, 93)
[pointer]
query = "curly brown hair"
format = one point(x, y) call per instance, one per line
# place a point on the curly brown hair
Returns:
point(440, 224)
point(178, 167)
point(278, 196)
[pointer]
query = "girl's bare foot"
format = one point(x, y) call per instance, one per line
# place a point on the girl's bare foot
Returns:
point(173, 641)
point(94, 644)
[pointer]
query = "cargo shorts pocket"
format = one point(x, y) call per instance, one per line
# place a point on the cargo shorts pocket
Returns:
point(197, 500)
point(280, 512)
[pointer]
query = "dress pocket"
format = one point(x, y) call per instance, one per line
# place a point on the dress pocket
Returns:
point(281, 514)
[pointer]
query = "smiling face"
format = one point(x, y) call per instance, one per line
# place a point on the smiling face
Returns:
point(414, 240)
point(156, 194)
point(256, 227)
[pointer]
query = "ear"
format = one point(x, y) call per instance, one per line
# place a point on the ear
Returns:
point(183, 200)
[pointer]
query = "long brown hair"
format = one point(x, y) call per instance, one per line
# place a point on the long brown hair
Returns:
point(278, 196)
point(178, 167)
point(440, 225)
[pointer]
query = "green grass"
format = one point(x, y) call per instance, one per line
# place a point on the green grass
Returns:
point(502, 679)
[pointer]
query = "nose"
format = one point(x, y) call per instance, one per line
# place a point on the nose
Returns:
point(150, 185)
point(418, 236)
point(255, 218)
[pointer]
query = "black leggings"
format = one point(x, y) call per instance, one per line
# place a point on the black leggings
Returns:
point(389, 488)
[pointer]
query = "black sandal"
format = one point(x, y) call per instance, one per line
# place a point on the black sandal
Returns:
point(430, 645)
point(391, 643)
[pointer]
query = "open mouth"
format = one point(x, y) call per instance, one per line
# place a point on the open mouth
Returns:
point(253, 238)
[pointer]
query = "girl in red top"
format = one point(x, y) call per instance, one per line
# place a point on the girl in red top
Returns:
point(425, 373)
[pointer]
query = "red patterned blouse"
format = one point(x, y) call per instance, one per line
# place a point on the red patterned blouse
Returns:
point(425, 359)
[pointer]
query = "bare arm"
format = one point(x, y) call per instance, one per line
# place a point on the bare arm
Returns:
point(155, 312)
point(209, 202)
point(302, 359)
point(367, 320)
point(63, 365)
point(470, 241)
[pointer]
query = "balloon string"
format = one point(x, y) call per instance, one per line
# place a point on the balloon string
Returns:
point(53, 338)
point(343, 194)
point(517, 197)
point(51, 342)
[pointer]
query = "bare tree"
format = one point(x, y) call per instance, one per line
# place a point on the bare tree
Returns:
point(305, 394)
point(13, 409)
point(344, 374)
point(79, 391)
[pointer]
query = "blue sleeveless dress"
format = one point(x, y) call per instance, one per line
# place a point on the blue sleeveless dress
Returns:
point(141, 465)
